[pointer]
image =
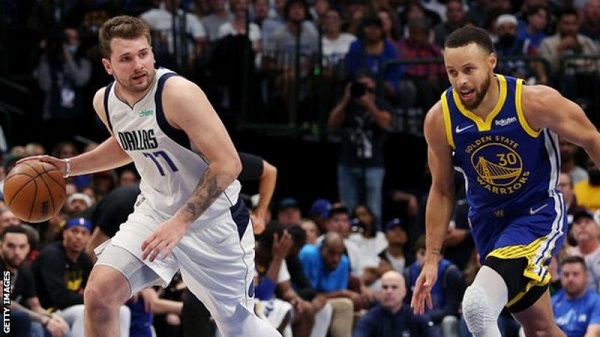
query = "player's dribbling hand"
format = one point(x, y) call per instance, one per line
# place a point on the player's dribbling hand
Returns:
point(422, 292)
point(164, 239)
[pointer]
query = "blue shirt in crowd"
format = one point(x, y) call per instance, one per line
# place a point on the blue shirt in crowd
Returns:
point(573, 316)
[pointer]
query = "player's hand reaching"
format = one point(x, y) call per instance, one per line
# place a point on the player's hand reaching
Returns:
point(422, 292)
point(164, 239)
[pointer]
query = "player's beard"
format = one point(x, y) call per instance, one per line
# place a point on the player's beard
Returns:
point(479, 95)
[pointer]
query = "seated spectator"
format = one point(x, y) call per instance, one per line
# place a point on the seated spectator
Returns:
point(319, 211)
point(509, 45)
point(61, 272)
point(13, 251)
point(78, 203)
point(328, 270)
point(272, 248)
point(288, 212)
point(586, 234)
point(394, 256)
point(391, 316)
point(576, 307)
point(577, 76)
point(446, 295)
point(428, 78)
point(312, 230)
point(587, 191)
point(370, 241)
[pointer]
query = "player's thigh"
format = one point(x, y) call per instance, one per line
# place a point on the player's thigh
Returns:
point(217, 262)
point(538, 319)
point(129, 273)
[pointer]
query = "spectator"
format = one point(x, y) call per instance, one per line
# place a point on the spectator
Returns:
point(587, 191)
point(565, 186)
point(219, 14)
point(178, 36)
point(319, 212)
point(291, 54)
point(394, 256)
point(509, 45)
point(590, 21)
point(14, 249)
point(238, 26)
point(273, 247)
point(335, 42)
point(369, 54)
point(61, 272)
point(289, 212)
point(363, 117)
point(328, 270)
point(63, 74)
point(391, 26)
point(576, 307)
point(427, 78)
point(587, 236)
point(456, 18)
point(259, 12)
point(78, 203)
point(578, 74)
point(568, 161)
point(392, 317)
point(536, 26)
point(445, 295)
point(370, 241)
point(312, 230)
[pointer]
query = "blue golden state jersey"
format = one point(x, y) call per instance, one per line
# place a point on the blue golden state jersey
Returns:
point(508, 166)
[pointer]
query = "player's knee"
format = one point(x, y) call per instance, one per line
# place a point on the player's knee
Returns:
point(477, 310)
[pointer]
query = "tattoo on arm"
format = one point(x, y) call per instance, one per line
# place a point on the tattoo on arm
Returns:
point(203, 196)
point(436, 251)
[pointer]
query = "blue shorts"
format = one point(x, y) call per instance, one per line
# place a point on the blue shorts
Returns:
point(535, 233)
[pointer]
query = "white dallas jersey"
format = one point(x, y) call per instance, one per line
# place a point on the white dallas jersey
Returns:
point(164, 156)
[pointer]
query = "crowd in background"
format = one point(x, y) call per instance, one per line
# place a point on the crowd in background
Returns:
point(343, 266)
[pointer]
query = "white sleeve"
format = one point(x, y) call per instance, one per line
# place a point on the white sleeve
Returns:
point(284, 273)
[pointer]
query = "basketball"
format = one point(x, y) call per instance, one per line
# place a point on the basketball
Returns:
point(34, 191)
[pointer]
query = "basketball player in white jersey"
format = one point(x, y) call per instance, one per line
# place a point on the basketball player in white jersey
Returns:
point(189, 215)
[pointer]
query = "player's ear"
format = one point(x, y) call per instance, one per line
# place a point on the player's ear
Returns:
point(493, 60)
point(107, 66)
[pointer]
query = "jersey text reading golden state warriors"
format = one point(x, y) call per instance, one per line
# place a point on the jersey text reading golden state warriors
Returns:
point(506, 163)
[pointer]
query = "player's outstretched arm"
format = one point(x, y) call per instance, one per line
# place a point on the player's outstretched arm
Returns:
point(439, 205)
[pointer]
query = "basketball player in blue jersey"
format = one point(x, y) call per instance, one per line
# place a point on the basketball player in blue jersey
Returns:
point(188, 216)
point(502, 135)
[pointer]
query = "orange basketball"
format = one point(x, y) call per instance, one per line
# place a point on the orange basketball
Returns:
point(34, 191)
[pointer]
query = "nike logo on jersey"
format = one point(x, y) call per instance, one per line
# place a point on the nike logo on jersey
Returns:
point(534, 211)
point(459, 129)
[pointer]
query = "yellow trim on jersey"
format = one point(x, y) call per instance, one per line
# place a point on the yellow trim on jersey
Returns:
point(447, 122)
point(528, 252)
point(520, 115)
point(483, 125)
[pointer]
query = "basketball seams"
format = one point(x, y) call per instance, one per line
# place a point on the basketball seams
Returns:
point(37, 202)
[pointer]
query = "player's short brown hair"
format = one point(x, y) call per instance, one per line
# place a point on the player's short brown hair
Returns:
point(124, 27)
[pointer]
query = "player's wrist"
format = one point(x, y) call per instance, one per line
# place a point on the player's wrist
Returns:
point(67, 167)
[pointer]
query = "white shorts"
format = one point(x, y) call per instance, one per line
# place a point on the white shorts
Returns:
point(216, 257)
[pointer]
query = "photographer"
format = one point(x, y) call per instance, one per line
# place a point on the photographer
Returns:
point(63, 74)
point(363, 119)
